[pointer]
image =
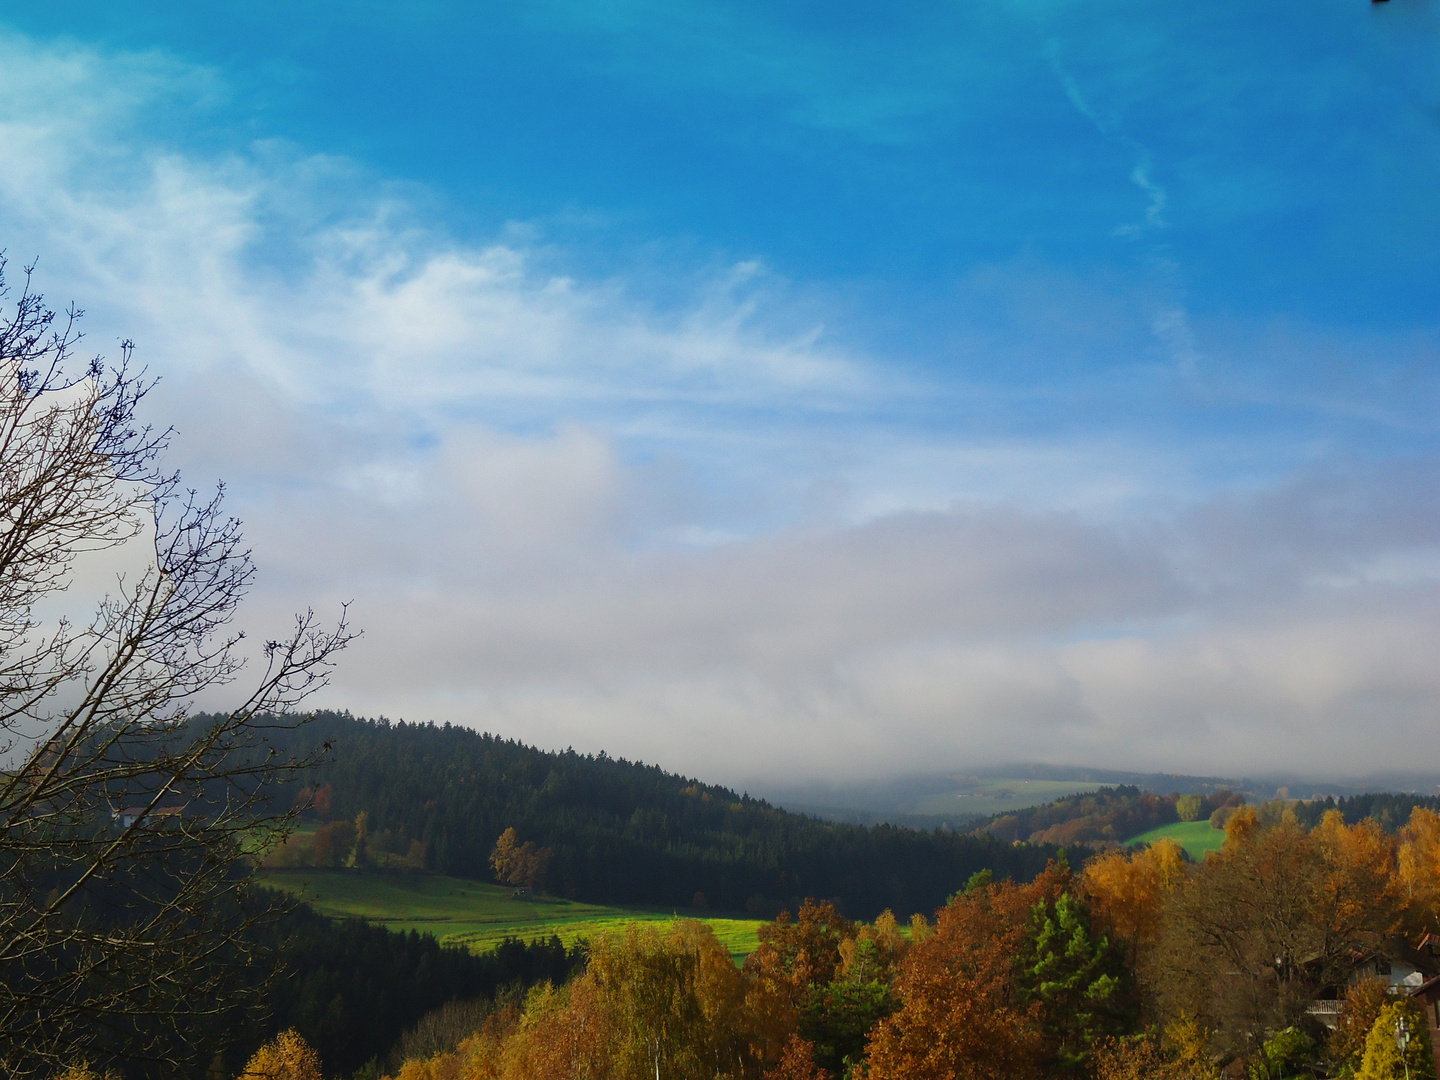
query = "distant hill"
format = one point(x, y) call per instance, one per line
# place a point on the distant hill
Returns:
point(963, 800)
point(627, 833)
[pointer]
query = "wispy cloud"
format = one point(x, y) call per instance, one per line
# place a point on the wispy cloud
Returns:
point(711, 531)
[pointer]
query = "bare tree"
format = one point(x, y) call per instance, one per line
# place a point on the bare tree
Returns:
point(124, 818)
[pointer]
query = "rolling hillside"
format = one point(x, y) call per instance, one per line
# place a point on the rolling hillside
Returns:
point(627, 834)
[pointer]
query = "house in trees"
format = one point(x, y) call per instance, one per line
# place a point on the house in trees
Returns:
point(1411, 971)
point(157, 818)
point(1406, 969)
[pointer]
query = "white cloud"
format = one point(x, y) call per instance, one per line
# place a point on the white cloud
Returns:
point(698, 534)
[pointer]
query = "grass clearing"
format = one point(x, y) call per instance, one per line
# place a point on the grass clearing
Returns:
point(476, 914)
point(1196, 837)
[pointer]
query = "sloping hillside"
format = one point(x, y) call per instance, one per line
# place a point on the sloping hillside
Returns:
point(622, 832)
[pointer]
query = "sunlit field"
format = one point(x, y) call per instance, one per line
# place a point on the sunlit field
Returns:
point(1196, 837)
point(479, 915)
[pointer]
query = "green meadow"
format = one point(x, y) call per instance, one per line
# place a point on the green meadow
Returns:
point(1196, 837)
point(479, 915)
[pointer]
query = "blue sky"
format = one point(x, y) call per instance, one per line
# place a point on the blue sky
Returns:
point(904, 385)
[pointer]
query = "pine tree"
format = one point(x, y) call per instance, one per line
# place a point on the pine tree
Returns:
point(1079, 978)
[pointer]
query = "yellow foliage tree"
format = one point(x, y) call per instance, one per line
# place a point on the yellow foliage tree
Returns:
point(1179, 1055)
point(519, 864)
point(1383, 1057)
point(566, 1034)
point(1128, 892)
point(672, 1006)
point(1419, 868)
point(889, 944)
point(85, 1071)
point(286, 1057)
point(1363, 1003)
point(1241, 826)
point(1358, 890)
point(666, 1002)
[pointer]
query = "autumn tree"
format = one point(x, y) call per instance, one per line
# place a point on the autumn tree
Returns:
point(1364, 1000)
point(1128, 892)
point(653, 983)
point(123, 818)
point(86, 1071)
point(794, 955)
point(570, 1033)
point(1258, 929)
point(797, 1062)
point(1359, 889)
point(652, 1003)
point(286, 1057)
point(962, 1015)
point(1419, 870)
point(1398, 1045)
point(520, 864)
point(1180, 1052)
point(333, 844)
point(800, 952)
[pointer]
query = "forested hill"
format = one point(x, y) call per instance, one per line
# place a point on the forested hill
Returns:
point(621, 832)
point(1107, 815)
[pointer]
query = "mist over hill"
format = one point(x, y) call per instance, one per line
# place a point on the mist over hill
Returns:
point(956, 799)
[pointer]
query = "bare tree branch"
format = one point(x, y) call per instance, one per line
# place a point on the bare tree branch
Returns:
point(124, 820)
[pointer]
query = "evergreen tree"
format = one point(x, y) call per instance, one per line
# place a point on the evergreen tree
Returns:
point(1080, 979)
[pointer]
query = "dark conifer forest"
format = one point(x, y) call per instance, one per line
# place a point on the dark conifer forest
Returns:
point(623, 832)
point(351, 989)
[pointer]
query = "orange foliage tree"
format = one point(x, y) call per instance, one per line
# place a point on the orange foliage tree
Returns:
point(794, 956)
point(962, 1016)
point(1363, 1002)
point(804, 952)
point(797, 1062)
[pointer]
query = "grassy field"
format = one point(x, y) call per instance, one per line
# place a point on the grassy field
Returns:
point(1196, 837)
point(998, 795)
point(476, 914)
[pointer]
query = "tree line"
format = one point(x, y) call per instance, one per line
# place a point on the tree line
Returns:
point(1389, 810)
